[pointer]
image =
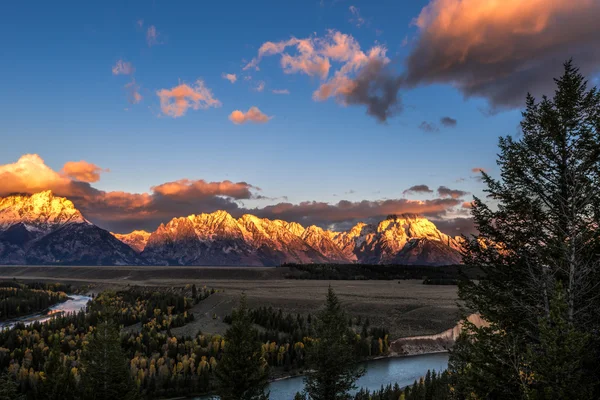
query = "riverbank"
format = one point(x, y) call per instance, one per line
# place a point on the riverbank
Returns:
point(73, 304)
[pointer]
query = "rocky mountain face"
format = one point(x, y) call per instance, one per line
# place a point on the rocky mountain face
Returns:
point(46, 229)
point(220, 239)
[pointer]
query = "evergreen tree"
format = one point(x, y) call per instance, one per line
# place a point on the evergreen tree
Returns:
point(59, 383)
point(538, 248)
point(242, 373)
point(8, 388)
point(105, 372)
point(331, 357)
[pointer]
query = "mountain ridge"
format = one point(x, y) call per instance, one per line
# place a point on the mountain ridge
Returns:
point(49, 229)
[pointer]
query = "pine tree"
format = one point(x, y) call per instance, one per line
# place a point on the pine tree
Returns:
point(8, 388)
point(105, 373)
point(540, 234)
point(242, 373)
point(59, 383)
point(331, 357)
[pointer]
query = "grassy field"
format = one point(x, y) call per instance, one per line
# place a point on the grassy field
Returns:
point(406, 308)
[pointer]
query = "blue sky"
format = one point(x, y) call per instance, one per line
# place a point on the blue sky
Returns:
point(62, 102)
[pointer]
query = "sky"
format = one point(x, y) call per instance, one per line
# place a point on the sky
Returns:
point(323, 112)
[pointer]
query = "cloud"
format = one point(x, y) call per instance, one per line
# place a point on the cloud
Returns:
point(428, 127)
point(176, 101)
point(280, 91)
point(82, 171)
point(418, 189)
point(140, 22)
point(500, 50)
point(230, 77)
point(443, 192)
point(467, 205)
point(29, 175)
point(152, 36)
point(260, 86)
point(325, 214)
point(356, 19)
point(478, 170)
point(133, 92)
point(448, 122)
point(456, 226)
point(252, 115)
point(360, 78)
point(123, 68)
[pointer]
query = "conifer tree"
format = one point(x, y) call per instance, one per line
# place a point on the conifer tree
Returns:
point(538, 245)
point(242, 373)
point(8, 388)
point(331, 357)
point(105, 373)
point(59, 383)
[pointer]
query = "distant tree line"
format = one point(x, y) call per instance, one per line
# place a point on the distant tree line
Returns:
point(379, 272)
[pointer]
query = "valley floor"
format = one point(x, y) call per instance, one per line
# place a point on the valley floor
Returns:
point(406, 308)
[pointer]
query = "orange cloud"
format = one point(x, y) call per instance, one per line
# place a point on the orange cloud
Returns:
point(323, 214)
point(252, 115)
point(83, 171)
point(501, 50)
point(29, 175)
point(230, 77)
point(133, 94)
point(478, 170)
point(123, 68)
point(176, 101)
point(196, 188)
point(361, 79)
point(467, 204)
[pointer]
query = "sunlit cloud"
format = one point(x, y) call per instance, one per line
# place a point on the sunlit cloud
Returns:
point(133, 92)
point(252, 115)
point(478, 170)
point(500, 50)
point(230, 77)
point(123, 68)
point(82, 171)
point(176, 101)
point(323, 214)
point(361, 78)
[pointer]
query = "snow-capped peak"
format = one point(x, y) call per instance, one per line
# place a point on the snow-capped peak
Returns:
point(41, 211)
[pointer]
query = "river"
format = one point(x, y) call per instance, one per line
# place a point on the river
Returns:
point(73, 304)
point(401, 370)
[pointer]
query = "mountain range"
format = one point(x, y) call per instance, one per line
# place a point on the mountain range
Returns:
point(47, 229)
